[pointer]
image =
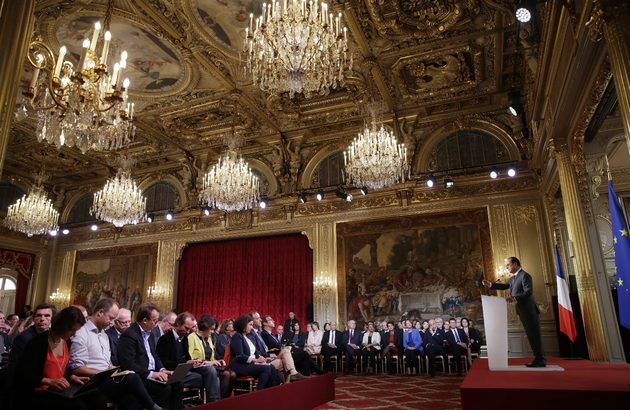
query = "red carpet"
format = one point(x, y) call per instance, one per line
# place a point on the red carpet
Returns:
point(302, 395)
point(583, 384)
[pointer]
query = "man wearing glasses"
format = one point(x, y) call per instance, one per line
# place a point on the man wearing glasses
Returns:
point(164, 325)
point(121, 323)
point(90, 354)
point(136, 351)
point(173, 349)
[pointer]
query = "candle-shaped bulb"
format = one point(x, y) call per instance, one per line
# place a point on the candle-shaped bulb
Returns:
point(126, 83)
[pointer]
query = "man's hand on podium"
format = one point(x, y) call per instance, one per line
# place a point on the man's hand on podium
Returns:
point(510, 300)
point(486, 283)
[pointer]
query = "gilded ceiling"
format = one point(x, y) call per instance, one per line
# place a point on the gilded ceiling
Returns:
point(435, 64)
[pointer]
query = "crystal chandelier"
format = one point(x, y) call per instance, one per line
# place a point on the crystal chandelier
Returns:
point(120, 201)
point(230, 185)
point(34, 214)
point(298, 47)
point(375, 159)
point(84, 106)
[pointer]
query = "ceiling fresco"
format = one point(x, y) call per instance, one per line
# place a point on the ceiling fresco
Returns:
point(430, 63)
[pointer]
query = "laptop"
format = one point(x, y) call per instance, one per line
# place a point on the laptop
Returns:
point(76, 390)
point(178, 374)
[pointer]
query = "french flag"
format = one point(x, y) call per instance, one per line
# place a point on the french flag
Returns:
point(565, 312)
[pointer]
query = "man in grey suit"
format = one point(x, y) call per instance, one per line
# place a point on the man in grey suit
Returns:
point(522, 292)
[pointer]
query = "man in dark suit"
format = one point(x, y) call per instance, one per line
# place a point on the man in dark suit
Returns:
point(351, 345)
point(136, 351)
point(172, 348)
point(165, 324)
point(121, 323)
point(457, 344)
point(331, 344)
point(291, 358)
point(288, 324)
point(433, 340)
point(521, 289)
point(41, 322)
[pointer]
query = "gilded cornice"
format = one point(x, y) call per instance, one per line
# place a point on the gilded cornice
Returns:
point(577, 139)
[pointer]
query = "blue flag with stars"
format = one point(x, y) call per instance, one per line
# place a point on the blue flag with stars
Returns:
point(621, 243)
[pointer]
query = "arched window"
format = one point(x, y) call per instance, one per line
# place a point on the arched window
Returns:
point(467, 148)
point(80, 212)
point(329, 172)
point(9, 194)
point(7, 283)
point(160, 197)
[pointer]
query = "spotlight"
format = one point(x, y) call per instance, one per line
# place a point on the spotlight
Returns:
point(524, 11)
point(263, 202)
point(431, 181)
point(150, 218)
point(340, 194)
point(364, 190)
point(65, 231)
point(53, 233)
point(494, 173)
point(511, 171)
point(94, 227)
point(516, 108)
point(320, 195)
point(303, 198)
point(448, 183)
point(170, 215)
point(207, 210)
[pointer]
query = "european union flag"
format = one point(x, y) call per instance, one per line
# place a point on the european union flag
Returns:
point(621, 243)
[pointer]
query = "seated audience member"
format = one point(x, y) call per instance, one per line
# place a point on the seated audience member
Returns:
point(474, 339)
point(314, 340)
point(43, 365)
point(371, 344)
point(433, 340)
point(326, 327)
point(457, 344)
point(136, 351)
point(243, 359)
point(412, 342)
point(288, 324)
point(165, 324)
point(41, 322)
point(439, 323)
point(4, 337)
point(200, 347)
point(90, 354)
point(297, 341)
point(173, 349)
point(226, 330)
point(12, 319)
point(121, 323)
point(331, 344)
point(279, 334)
point(19, 327)
point(296, 338)
point(351, 344)
point(289, 359)
point(392, 343)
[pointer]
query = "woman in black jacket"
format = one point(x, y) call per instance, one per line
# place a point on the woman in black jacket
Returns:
point(42, 368)
point(391, 342)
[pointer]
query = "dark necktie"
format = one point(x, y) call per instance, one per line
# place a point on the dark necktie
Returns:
point(455, 333)
point(351, 336)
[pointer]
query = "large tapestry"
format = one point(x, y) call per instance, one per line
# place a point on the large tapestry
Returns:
point(417, 267)
point(123, 273)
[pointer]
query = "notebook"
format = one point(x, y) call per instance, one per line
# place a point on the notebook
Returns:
point(178, 374)
point(76, 390)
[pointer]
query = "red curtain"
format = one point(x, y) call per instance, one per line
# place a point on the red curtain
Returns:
point(273, 275)
point(24, 263)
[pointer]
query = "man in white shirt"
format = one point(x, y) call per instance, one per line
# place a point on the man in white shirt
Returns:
point(90, 354)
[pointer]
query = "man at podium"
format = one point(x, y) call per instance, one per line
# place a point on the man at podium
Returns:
point(522, 293)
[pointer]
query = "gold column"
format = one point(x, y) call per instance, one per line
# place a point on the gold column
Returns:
point(16, 25)
point(610, 19)
point(589, 303)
